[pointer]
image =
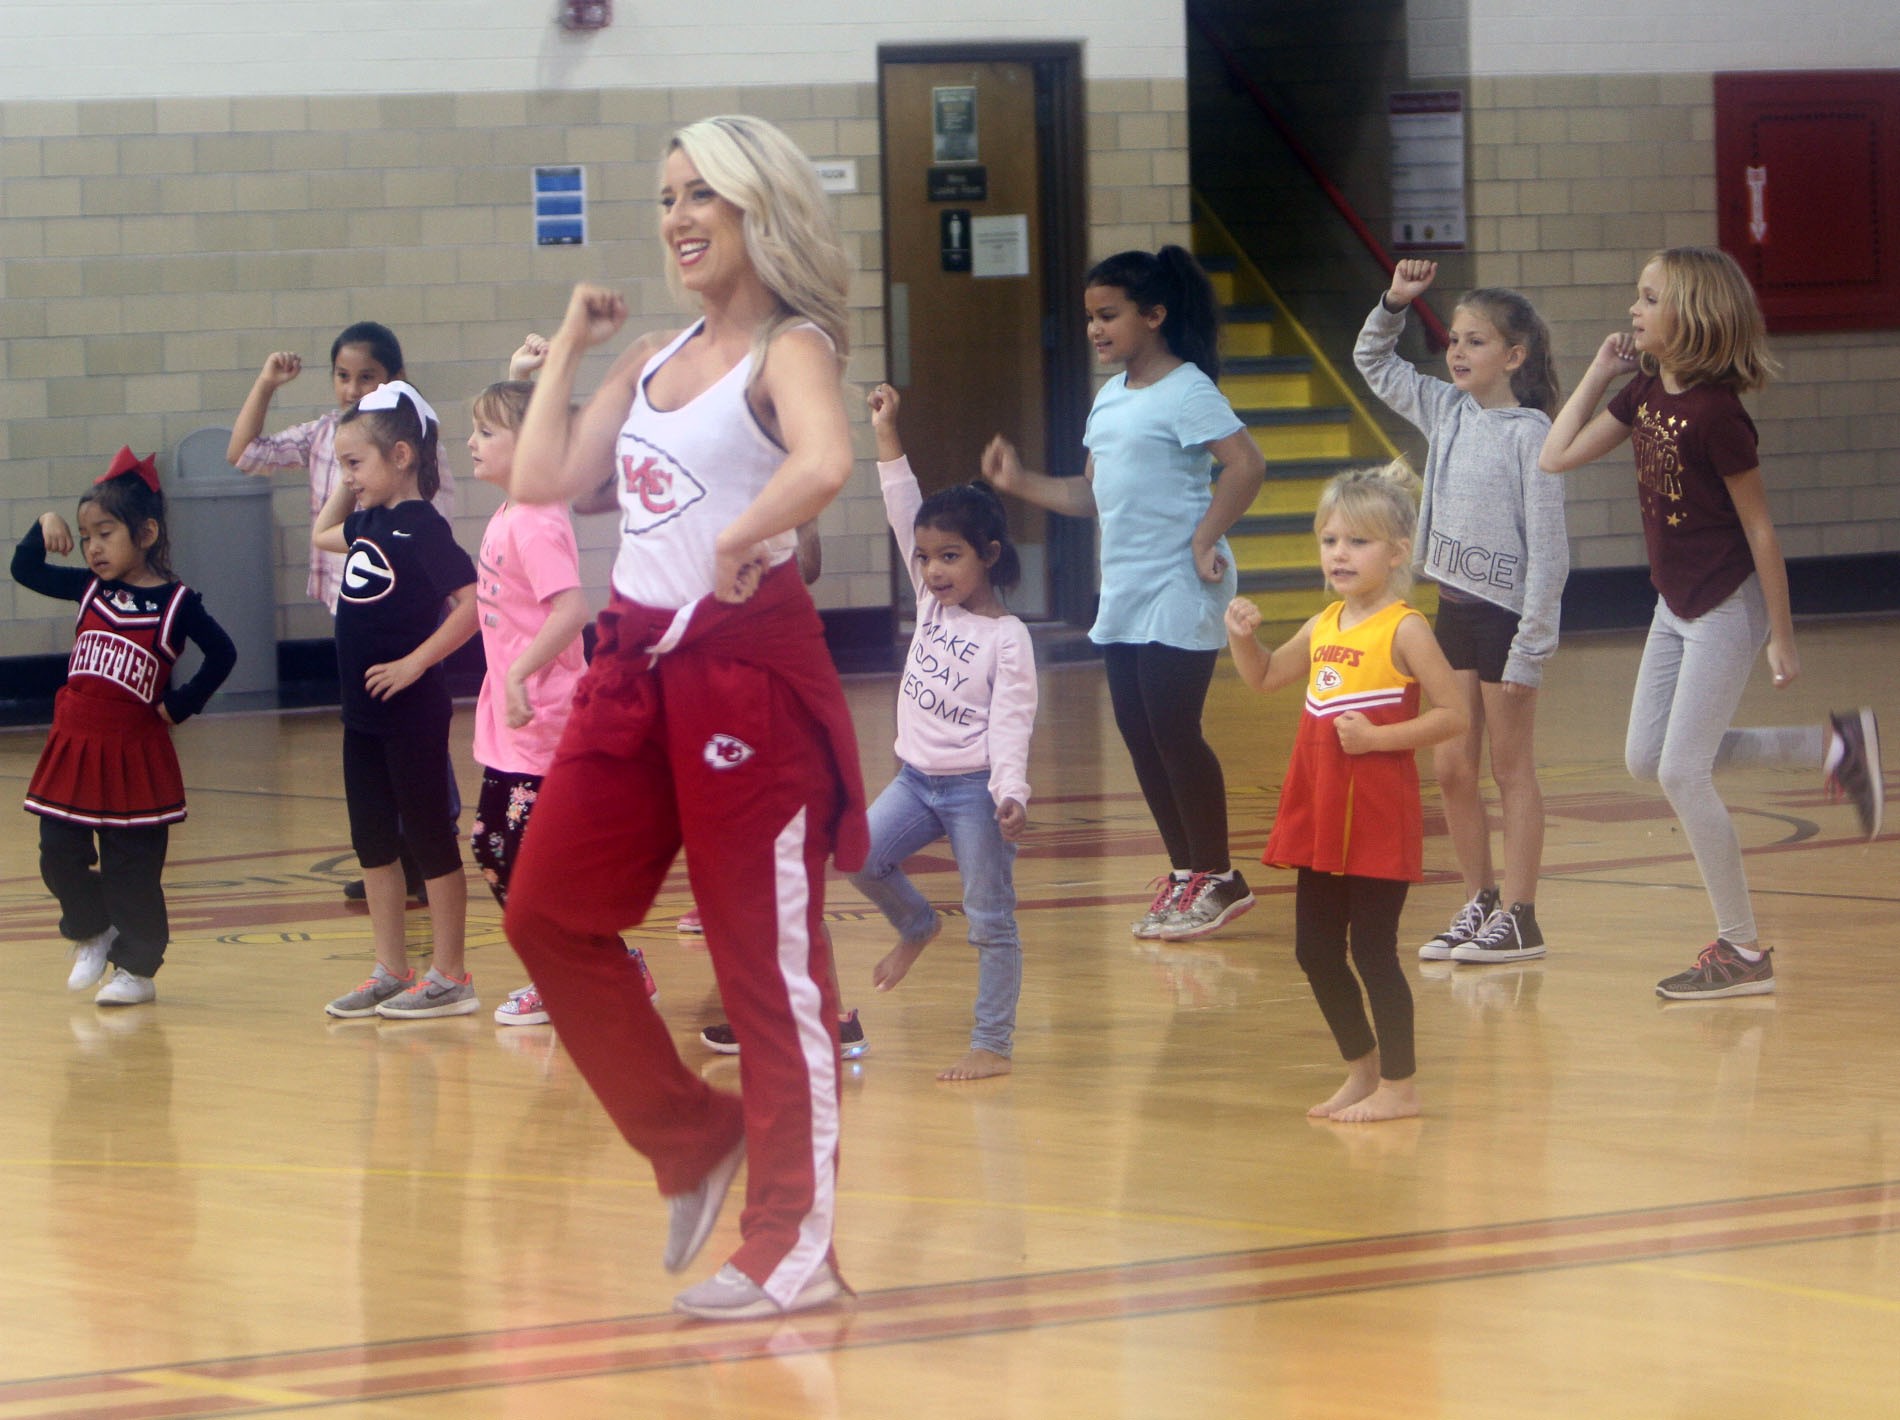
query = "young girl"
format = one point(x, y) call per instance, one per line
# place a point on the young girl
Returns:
point(531, 609)
point(1696, 340)
point(1154, 435)
point(109, 769)
point(711, 719)
point(1349, 816)
point(964, 716)
point(401, 565)
point(1491, 534)
point(363, 357)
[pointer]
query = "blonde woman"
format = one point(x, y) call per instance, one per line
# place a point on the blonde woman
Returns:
point(711, 718)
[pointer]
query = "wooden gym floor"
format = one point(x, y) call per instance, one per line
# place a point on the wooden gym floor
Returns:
point(227, 1204)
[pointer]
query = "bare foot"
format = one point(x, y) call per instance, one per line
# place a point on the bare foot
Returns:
point(977, 1065)
point(1346, 1095)
point(897, 961)
point(1394, 1099)
point(1362, 1078)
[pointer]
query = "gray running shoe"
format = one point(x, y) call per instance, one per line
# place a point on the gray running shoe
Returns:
point(363, 1001)
point(433, 995)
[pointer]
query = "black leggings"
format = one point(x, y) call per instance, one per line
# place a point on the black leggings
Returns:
point(1330, 909)
point(1158, 692)
point(125, 890)
point(398, 793)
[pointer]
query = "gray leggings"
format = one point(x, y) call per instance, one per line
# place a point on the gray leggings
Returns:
point(1690, 682)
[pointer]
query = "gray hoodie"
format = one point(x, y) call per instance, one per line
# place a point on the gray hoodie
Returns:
point(1490, 524)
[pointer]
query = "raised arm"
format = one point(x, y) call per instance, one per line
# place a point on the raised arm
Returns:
point(326, 533)
point(561, 456)
point(800, 388)
point(1072, 496)
point(1262, 669)
point(1575, 438)
point(280, 368)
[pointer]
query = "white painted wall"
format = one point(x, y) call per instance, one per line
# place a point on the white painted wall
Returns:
point(1681, 36)
point(94, 49)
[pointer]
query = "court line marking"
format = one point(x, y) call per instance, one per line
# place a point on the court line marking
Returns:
point(387, 1371)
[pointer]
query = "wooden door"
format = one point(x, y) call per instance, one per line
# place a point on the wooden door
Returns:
point(970, 296)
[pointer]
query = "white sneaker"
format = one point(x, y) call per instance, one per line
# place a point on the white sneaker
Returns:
point(89, 959)
point(127, 988)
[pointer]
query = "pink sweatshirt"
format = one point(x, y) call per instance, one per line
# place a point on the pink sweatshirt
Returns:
point(968, 697)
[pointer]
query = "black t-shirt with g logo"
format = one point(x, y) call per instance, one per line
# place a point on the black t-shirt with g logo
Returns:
point(402, 564)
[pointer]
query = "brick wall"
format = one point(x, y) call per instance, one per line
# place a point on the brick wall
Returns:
point(1575, 180)
point(157, 249)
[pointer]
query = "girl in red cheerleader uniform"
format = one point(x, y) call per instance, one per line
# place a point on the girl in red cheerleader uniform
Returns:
point(107, 787)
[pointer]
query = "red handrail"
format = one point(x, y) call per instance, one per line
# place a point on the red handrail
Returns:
point(1434, 328)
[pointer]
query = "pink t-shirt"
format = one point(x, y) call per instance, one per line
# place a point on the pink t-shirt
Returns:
point(528, 556)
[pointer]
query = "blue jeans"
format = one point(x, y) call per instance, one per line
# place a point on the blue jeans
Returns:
point(914, 811)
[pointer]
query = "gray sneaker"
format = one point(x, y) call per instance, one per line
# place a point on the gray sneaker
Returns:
point(730, 1295)
point(432, 995)
point(1168, 894)
point(1208, 903)
point(363, 1001)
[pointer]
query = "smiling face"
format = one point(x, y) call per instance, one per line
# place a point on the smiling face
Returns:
point(1652, 323)
point(377, 479)
point(111, 549)
point(355, 373)
point(953, 571)
point(1480, 360)
point(491, 448)
point(1357, 566)
point(1119, 330)
point(702, 230)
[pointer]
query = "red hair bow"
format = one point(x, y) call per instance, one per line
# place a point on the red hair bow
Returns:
point(125, 461)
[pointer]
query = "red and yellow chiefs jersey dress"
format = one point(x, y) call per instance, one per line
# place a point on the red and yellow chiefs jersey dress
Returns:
point(1345, 813)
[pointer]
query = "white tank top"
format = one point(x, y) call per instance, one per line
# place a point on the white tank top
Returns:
point(684, 475)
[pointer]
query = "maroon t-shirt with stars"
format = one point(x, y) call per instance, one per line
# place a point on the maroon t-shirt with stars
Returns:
point(1688, 446)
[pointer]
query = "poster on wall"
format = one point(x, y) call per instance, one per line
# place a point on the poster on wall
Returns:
point(1427, 129)
point(953, 124)
point(560, 206)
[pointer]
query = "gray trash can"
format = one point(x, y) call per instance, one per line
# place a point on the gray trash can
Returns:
point(223, 547)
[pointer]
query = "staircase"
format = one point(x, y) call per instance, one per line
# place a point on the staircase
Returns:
point(1307, 419)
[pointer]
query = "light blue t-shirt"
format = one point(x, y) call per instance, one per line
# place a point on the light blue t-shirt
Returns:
point(1152, 485)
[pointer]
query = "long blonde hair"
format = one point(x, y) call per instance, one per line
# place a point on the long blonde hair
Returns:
point(1379, 503)
point(1717, 335)
point(790, 237)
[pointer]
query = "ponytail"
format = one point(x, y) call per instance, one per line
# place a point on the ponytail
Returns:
point(1172, 279)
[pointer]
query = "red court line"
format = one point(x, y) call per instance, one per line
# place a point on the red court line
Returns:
point(1120, 1292)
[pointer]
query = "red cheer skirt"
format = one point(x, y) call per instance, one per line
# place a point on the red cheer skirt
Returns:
point(109, 762)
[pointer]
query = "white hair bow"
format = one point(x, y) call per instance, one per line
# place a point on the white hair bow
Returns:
point(390, 396)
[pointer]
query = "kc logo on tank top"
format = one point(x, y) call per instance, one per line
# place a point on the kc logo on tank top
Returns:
point(367, 575)
point(654, 488)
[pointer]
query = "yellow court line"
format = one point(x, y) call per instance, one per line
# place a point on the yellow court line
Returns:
point(318, 1170)
point(237, 1390)
point(1759, 1284)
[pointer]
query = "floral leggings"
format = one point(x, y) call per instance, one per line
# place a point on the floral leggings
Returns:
point(501, 817)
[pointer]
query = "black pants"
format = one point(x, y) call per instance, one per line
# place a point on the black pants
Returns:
point(1158, 692)
point(125, 890)
point(1329, 911)
point(398, 794)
